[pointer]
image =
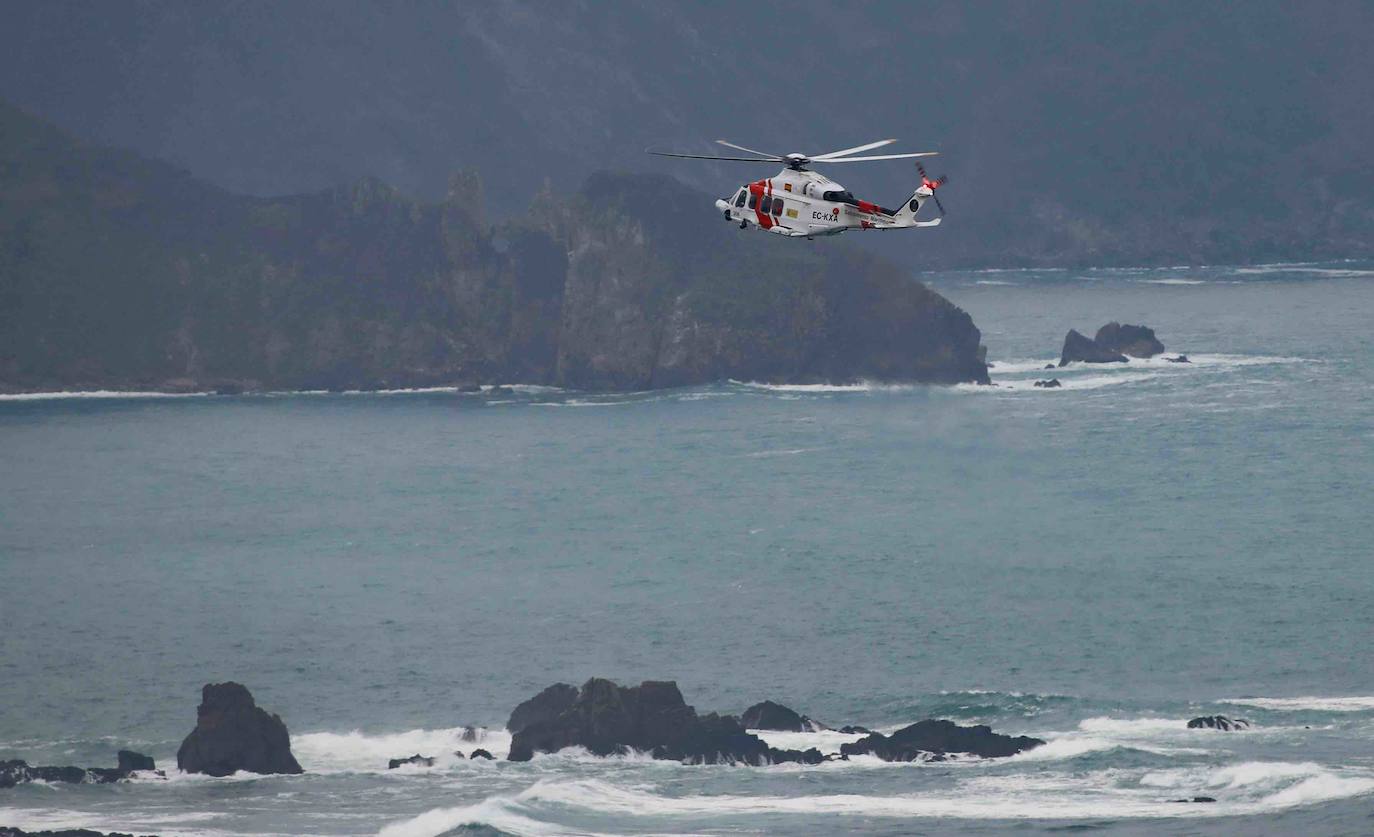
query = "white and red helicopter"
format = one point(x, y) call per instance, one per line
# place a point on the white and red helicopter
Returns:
point(800, 203)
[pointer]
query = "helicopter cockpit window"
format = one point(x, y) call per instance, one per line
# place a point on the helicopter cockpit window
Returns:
point(840, 197)
point(739, 199)
point(753, 201)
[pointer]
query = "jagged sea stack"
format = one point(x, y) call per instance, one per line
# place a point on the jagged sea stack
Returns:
point(233, 733)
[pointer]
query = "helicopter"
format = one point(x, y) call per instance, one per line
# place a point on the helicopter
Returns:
point(801, 203)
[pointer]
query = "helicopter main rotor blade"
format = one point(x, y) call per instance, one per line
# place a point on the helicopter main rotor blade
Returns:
point(750, 150)
point(878, 157)
point(708, 157)
point(855, 150)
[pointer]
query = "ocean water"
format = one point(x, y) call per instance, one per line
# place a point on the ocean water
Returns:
point(1093, 565)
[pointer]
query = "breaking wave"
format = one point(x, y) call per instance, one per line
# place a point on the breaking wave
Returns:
point(357, 752)
point(1362, 703)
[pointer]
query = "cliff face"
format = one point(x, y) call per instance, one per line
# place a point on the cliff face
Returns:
point(119, 272)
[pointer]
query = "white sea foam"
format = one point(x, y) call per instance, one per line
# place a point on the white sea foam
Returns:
point(498, 812)
point(1360, 703)
point(100, 393)
point(332, 752)
point(827, 741)
point(1174, 280)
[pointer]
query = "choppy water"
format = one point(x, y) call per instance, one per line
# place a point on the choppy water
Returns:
point(1092, 565)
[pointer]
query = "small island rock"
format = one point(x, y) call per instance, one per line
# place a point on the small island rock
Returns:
point(233, 733)
point(1133, 340)
point(936, 739)
point(609, 719)
point(129, 761)
point(1079, 348)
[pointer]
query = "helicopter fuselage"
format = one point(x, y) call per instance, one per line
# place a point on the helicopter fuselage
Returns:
point(805, 204)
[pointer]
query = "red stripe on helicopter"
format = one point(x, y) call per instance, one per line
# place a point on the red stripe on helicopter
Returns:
point(757, 190)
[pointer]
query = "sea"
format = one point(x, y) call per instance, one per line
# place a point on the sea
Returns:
point(1093, 564)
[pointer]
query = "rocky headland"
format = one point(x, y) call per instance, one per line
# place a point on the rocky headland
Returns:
point(119, 272)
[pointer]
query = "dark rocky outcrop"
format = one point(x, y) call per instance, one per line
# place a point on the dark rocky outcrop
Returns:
point(233, 733)
point(1220, 722)
point(1179, 359)
point(1195, 799)
point(774, 716)
point(129, 760)
point(1079, 348)
point(123, 273)
point(609, 719)
point(17, 771)
point(1052, 383)
point(417, 759)
point(932, 740)
point(479, 753)
point(7, 832)
point(1131, 340)
point(543, 707)
point(855, 729)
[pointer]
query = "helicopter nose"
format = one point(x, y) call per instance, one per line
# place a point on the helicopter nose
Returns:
point(722, 205)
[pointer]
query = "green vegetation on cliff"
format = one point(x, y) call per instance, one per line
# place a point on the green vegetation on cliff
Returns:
point(121, 272)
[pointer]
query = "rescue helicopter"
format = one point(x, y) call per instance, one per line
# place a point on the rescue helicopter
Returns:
point(801, 203)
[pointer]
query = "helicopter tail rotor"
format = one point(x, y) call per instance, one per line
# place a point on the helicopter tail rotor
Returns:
point(932, 185)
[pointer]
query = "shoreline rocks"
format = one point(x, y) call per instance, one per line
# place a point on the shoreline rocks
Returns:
point(233, 733)
point(608, 719)
point(17, 771)
point(933, 740)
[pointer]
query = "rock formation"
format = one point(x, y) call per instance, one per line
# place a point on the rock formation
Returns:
point(417, 759)
point(17, 771)
point(1079, 348)
point(1132, 340)
point(233, 733)
point(361, 287)
point(933, 740)
point(129, 760)
point(1220, 722)
point(1052, 383)
point(774, 716)
point(545, 706)
point(6, 832)
point(608, 719)
point(479, 753)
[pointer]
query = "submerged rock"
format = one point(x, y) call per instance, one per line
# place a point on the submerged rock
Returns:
point(1179, 359)
point(1052, 383)
point(609, 719)
point(233, 733)
point(1220, 722)
point(927, 739)
point(417, 759)
point(855, 729)
point(1195, 799)
point(129, 760)
point(775, 716)
point(479, 753)
point(1133, 340)
point(1079, 348)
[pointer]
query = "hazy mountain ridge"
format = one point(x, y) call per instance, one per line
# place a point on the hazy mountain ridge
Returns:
point(1074, 133)
point(120, 272)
